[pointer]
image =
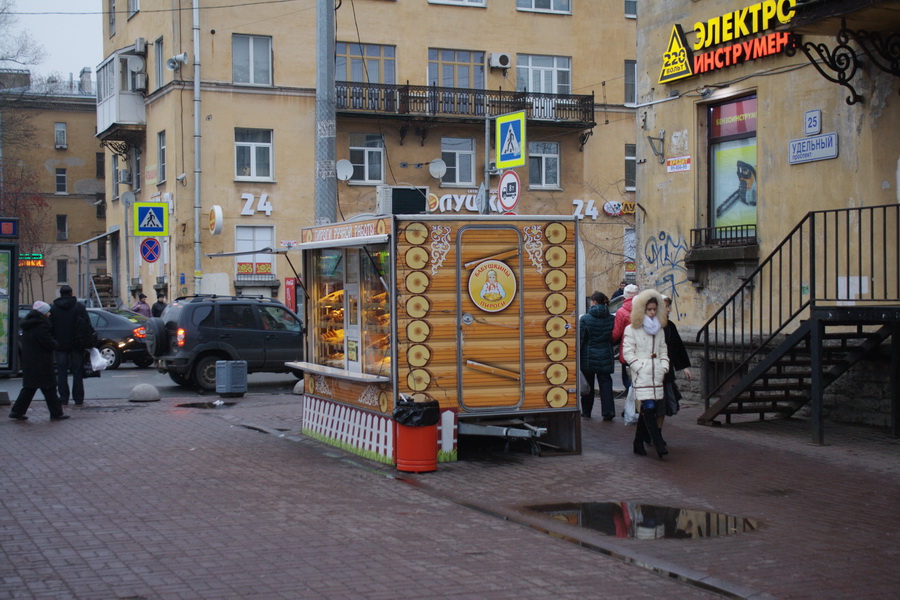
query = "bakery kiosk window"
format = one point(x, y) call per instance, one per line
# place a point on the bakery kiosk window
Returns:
point(352, 319)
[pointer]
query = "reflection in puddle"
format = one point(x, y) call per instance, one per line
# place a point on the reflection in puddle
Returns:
point(214, 404)
point(646, 521)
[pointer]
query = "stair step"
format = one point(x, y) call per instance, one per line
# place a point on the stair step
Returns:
point(773, 387)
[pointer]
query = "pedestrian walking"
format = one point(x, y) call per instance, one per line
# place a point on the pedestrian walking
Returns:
point(620, 291)
point(597, 361)
point(38, 346)
point(623, 318)
point(141, 307)
point(159, 305)
point(73, 332)
point(644, 350)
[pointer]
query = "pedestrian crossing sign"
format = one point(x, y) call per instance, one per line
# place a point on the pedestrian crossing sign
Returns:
point(510, 142)
point(151, 218)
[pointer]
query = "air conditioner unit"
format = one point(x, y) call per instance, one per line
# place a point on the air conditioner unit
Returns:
point(140, 82)
point(401, 200)
point(500, 60)
point(140, 46)
point(124, 176)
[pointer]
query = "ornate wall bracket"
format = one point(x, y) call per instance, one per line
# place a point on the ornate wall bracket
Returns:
point(841, 63)
point(118, 148)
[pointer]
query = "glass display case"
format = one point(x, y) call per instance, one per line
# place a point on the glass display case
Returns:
point(351, 318)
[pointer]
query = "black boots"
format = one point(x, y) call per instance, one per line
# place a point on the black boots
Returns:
point(647, 427)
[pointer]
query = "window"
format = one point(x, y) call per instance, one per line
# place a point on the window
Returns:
point(544, 74)
point(253, 153)
point(62, 227)
point(367, 156)
point(100, 203)
point(112, 18)
point(59, 136)
point(251, 58)
point(136, 170)
point(133, 7)
point(62, 270)
point(630, 167)
point(365, 63)
point(61, 182)
point(630, 82)
point(159, 63)
point(248, 238)
point(160, 157)
point(101, 249)
point(562, 6)
point(631, 9)
point(543, 165)
point(101, 165)
point(732, 163)
point(459, 155)
point(456, 68)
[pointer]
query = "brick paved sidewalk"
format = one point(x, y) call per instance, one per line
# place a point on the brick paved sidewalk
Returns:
point(158, 501)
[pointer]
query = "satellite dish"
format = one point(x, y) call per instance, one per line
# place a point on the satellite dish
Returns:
point(344, 169)
point(127, 199)
point(135, 64)
point(437, 168)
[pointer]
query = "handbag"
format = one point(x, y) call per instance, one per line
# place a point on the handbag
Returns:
point(583, 386)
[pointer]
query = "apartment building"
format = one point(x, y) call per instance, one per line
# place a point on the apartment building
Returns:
point(53, 180)
point(208, 114)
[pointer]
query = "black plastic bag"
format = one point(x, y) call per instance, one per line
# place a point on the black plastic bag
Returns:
point(417, 414)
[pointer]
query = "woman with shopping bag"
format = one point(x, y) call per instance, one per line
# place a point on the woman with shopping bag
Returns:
point(645, 353)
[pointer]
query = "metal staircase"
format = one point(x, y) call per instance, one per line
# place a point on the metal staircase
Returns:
point(822, 301)
point(100, 291)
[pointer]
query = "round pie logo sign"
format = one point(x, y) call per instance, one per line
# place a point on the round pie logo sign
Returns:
point(492, 285)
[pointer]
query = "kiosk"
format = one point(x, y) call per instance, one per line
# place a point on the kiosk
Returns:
point(477, 313)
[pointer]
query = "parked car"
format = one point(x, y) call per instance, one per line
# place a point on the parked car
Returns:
point(122, 335)
point(194, 332)
point(120, 332)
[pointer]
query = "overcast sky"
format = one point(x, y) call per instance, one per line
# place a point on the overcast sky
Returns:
point(73, 40)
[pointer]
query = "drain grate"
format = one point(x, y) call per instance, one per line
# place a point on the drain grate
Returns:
point(646, 521)
point(215, 404)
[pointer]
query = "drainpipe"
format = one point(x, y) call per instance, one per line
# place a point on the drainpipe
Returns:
point(198, 276)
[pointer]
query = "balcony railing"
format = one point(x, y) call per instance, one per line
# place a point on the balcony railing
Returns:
point(433, 101)
point(732, 235)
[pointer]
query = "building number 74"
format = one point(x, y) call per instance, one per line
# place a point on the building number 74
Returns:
point(262, 206)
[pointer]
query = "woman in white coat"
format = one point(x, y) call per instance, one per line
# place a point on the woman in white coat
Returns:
point(645, 353)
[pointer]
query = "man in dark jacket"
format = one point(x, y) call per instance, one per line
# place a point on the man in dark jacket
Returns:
point(37, 364)
point(597, 360)
point(72, 330)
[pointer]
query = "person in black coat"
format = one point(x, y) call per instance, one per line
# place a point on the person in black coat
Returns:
point(597, 361)
point(37, 364)
point(72, 330)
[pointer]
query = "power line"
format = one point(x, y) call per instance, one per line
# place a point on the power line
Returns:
point(160, 10)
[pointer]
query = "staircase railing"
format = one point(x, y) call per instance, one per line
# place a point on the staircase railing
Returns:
point(831, 257)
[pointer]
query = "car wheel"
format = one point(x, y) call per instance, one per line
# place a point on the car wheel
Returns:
point(111, 355)
point(179, 379)
point(157, 339)
point(144, 362)
point(205, 373)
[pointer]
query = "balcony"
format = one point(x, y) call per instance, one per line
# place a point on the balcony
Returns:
point(121, 111)
point(465, 105)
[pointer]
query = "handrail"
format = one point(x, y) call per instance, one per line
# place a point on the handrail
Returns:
point(832, 256)
point(431, 100)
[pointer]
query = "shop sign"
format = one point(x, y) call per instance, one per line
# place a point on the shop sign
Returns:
point(819, 147)
point(467, 202)
point(679, 61)
point(31, 260)
point(614, 208)
point(345, 231)
point(678, 165)
point(9, 228)
point(492, 285)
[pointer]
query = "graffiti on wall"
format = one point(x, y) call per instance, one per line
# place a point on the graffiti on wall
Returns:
point(664, 256)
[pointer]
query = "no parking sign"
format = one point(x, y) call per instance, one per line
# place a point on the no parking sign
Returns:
point(150, 250)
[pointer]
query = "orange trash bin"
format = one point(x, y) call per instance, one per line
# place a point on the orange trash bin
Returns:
point(416, 435)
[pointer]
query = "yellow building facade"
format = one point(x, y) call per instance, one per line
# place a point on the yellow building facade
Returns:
point(209, 118)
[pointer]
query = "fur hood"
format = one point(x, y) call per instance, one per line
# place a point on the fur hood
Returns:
point(639, 305)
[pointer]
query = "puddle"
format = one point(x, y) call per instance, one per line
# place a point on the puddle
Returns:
point(214, 404)
point(646, 521)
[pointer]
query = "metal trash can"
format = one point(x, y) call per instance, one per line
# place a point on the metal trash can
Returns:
point(416, 435)
point(231, 378)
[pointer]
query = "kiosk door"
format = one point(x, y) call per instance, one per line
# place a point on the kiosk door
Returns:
point(490, 339)
point(352, 348)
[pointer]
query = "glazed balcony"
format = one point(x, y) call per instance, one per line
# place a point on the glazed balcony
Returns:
point(461, 104)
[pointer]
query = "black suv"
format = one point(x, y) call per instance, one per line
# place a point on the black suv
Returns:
point(194, 332)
